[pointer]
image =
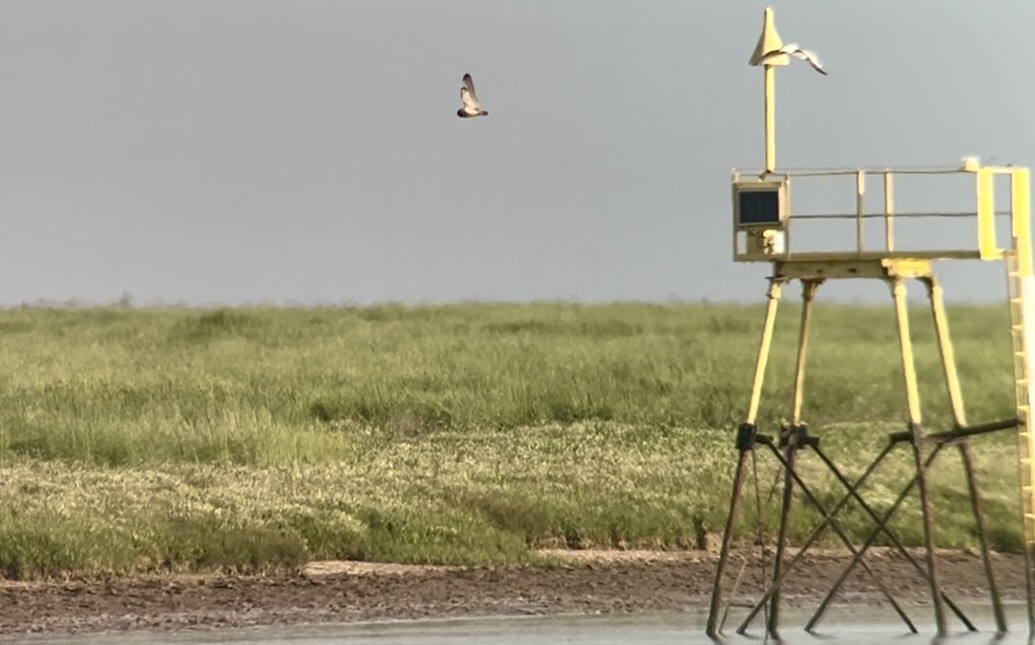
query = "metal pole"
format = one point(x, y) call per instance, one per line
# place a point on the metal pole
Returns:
point(860, 192)
point(889, 207)
point(941, 327)
point(762, 360)
point(986, 560)
point(808, 293)
point(770, 118)
point(727, 538)
point(745, 444)
point(790, 438)
point(898, 289)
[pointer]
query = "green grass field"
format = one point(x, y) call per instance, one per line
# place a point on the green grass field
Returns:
point(259, 438)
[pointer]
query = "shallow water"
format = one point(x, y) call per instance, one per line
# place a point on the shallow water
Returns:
point(848, 625)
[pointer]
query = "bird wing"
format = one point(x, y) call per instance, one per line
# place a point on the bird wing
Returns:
point(806, 55)
point(467, 93)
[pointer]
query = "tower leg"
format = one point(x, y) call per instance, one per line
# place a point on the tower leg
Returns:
point(941, 328)
point(790, 441)
point(952, 382)
point(746, 435)
point(975, 501)
point(898, 289)
point(745, 444)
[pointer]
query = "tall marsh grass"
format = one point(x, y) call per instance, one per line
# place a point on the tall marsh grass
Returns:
point(253, 438)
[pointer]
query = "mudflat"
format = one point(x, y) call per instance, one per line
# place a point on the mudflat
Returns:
point(586, 582)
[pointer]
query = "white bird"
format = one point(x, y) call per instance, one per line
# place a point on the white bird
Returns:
point(472, 108)
point(801, 54)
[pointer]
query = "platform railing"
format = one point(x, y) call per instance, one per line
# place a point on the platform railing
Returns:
point(983, 211)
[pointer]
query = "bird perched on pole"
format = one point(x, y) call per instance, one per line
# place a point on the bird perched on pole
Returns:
point(796, 51)
point(471, 108)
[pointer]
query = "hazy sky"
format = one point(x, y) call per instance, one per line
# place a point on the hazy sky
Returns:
point(233, 151)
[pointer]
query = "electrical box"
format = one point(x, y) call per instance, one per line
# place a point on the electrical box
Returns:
point(760, 211)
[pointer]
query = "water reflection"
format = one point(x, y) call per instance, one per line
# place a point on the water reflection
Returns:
point(849, 625)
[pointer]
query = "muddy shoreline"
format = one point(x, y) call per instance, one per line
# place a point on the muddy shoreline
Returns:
point(594, 582)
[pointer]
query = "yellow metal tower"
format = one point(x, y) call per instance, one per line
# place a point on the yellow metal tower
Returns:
point(763, 223)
